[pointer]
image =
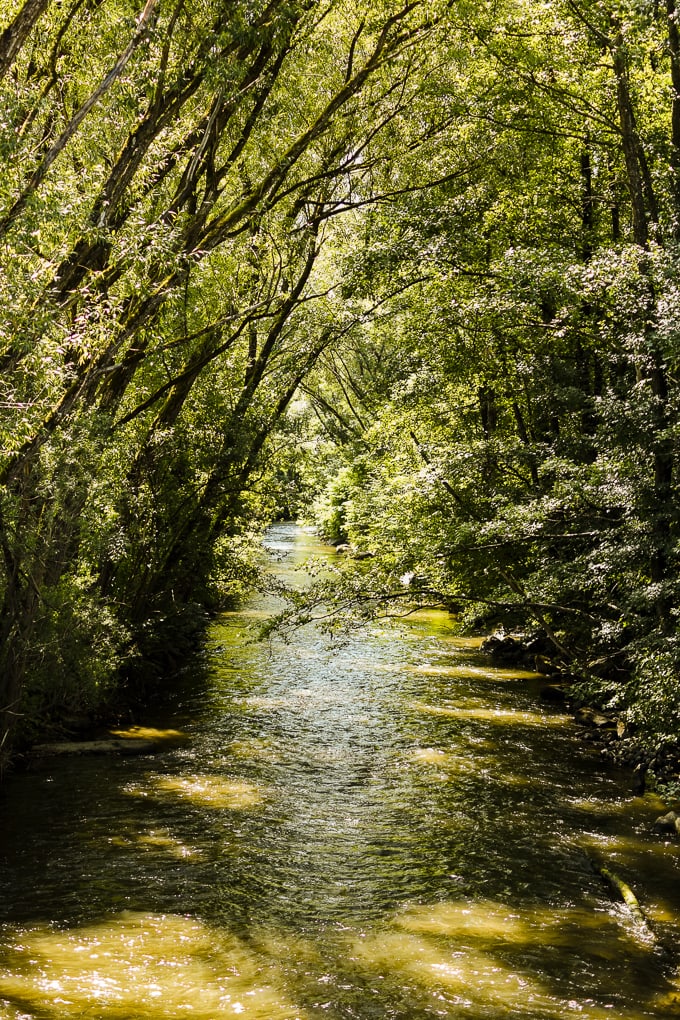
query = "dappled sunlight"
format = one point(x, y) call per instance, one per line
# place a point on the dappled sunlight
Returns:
point(159, 841)
point(467, 670)
point(165, 737)
point(208, 791)
point(141, 966)
point(462, 641)
point(661, 913)
point(437, 621)
point(640, 811)
point(602, 806)
point(501, 673)
point(625, 846)
point(483, 955)
point(482, 920)
point(467, 977)
point(650, 867)
point(505, 716)
point(668, 1004)
point(449, 761)
point(488, 922)
point(396, 831)
point(253, 747)
point(501, 716)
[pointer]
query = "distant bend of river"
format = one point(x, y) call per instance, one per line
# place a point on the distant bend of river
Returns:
point(387, 829)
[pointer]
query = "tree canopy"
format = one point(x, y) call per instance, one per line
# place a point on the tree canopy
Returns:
point(415, 262)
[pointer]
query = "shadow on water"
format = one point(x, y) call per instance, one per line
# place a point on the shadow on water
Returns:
point(390, 829)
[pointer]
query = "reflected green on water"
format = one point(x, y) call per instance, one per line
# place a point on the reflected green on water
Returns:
point(389, 829)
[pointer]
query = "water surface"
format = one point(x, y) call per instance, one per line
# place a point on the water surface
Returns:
point(389, 829)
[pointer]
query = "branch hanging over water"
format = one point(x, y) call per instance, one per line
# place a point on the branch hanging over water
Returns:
point(353, 596)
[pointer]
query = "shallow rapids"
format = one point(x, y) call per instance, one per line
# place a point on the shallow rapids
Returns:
point(390, 829)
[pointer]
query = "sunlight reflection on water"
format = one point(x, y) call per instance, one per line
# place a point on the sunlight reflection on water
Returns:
point(389, 830)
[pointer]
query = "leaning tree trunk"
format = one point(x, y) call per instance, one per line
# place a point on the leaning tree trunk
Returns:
point(644, 213)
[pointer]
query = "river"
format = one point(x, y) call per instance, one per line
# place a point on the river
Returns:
point(386, 829)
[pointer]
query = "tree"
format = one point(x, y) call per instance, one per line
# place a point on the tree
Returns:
point(523, 471)
point(162, 229)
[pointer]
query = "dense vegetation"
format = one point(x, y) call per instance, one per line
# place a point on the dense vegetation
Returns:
point(415, 261)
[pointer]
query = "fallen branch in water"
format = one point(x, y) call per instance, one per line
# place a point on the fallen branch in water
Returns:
point(624, 892)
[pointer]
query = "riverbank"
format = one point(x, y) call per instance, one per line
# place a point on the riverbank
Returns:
point(654, 761)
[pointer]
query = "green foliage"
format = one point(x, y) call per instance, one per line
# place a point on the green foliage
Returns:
point(519, 466)
point(415, 268)
point(171, 189)
point(335, 510)
point(61, 679)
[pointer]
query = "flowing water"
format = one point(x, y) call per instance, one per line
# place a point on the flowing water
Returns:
point(390, 829)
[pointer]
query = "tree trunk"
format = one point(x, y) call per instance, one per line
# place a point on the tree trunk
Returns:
point(644, 212)
point(674, 47)
point(15, 35)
